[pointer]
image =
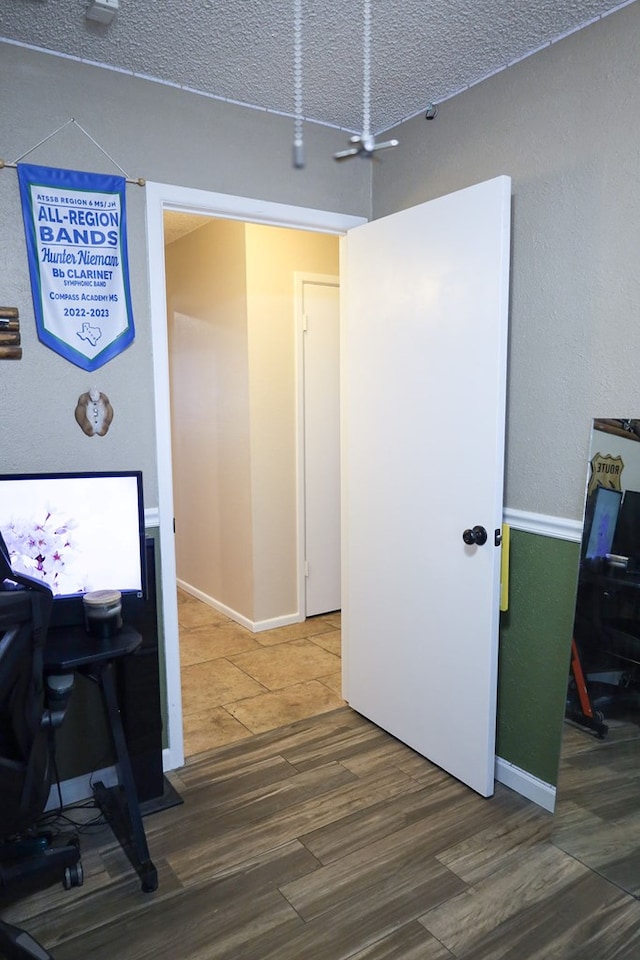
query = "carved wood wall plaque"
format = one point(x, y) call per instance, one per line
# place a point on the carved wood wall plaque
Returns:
point(10, 348)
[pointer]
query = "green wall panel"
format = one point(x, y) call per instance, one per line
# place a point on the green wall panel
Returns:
point(535, 641)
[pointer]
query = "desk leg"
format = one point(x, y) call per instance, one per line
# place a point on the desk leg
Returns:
point(586, 717)
point(120, 804)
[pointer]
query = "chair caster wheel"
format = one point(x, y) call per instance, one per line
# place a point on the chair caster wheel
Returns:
point(73, 876)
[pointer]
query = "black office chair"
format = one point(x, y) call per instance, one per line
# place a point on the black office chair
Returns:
point(29, 711)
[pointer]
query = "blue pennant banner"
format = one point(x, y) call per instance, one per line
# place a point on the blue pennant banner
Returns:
point(75, 226)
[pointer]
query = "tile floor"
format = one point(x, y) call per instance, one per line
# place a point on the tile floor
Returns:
point(236, 683)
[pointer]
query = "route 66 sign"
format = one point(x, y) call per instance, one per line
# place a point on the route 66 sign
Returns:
point(606, 471)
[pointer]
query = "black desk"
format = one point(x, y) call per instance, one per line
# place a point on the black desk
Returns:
point(611, 579)
point(73, 649)
point(605, 658)
point(604, 597)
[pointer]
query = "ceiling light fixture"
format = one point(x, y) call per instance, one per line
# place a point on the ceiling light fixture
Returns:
point(365, 144)
point(102, 11)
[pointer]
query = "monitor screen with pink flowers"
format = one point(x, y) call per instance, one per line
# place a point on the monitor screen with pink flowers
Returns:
point(78, 532)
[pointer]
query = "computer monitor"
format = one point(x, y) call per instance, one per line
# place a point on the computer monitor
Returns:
point(602, 517)
point(626, 542)
point(77, 532)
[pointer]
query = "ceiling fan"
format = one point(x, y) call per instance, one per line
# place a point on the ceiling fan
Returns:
point(364, 144)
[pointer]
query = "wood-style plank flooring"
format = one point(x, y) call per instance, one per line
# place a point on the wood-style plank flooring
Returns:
point(597, 816)
point(326, 840)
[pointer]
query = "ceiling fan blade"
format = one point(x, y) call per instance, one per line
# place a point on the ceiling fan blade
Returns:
point(345, 154)
point(385, 145)
point(364, 148)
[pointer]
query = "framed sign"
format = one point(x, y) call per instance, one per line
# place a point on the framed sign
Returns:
point(75, 229)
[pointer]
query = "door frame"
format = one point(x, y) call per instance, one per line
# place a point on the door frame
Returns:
point(161, 197)
point(299, 280)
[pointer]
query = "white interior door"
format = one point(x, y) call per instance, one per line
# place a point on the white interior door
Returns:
point(424, 356)
point(321, 374)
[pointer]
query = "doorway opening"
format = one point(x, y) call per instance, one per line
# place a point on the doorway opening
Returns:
point(254, 384)
point(395, 376)
point(162, 198)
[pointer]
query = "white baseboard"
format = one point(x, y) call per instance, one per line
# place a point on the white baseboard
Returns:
point(256, 626)
point(81, 788)
point(261, 625)
point(544, 794)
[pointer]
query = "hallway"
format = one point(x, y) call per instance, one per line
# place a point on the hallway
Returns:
point(236, 683)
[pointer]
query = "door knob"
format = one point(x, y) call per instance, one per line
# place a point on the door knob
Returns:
point(478, 536)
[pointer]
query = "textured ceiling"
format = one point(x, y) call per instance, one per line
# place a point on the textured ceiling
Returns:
point(177, 224)
point(422, 50)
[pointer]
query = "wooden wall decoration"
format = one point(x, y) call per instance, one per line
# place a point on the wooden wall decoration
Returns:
point(630, 429)
point(10, 348)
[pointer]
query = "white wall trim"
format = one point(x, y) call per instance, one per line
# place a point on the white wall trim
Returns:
point(560, 528)
point(260, 625)
point(160, 197)
point(256, 626)
point(81, 788)
point(191, 200)
point(151, 517)
point(544, 794)
point(300, 278)
point(298, 327)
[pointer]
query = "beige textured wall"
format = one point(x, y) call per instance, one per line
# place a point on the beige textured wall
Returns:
point(210, 417)
point(273, 256)
point(564, 125)
point(162, 134)
point(230, 298)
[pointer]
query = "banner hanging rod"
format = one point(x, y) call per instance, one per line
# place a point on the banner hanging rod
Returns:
point(140, 182)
